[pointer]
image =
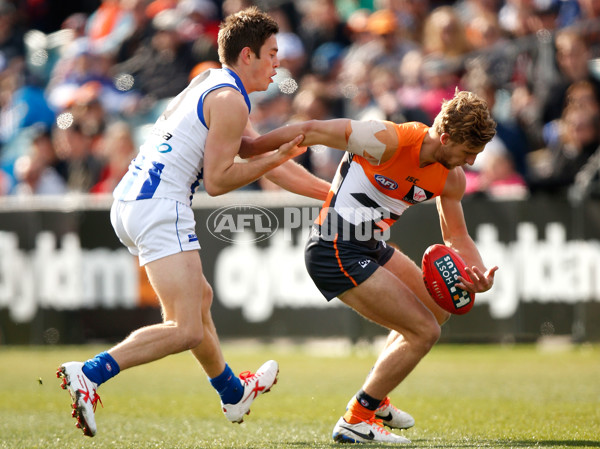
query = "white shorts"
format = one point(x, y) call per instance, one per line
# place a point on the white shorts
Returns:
point(154, 228)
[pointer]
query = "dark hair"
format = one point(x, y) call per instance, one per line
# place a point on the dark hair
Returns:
point(247, 28)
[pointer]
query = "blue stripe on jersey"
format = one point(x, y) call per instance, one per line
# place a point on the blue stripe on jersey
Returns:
point(200, 109)
point(195, 184)
point(152, 181)
point(240, 86)
point(176, 224)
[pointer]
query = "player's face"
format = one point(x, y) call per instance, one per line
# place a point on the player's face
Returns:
point(264, 67)
point(456, 155)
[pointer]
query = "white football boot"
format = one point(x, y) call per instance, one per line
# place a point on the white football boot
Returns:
point(393, 417)
point(83, 394)
point(254, 384)
point(371, 431)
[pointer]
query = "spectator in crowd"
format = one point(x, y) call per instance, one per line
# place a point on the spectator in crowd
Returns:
point(587, 23)
point(22, 104)
point(36, 172)
point(388, 45)
point(572, 59)
point(291, 52)
point(444, 34)
point(161, 69)
point(554, 168)
point(82, 66)
point(391, 59)
point(12, 47)
point(483, 32)
point(109, 25)
point(440, 79)
point(411, 90)
point(582, 94)
point(495, 175)
point(411, 16)
point(75, 146)
point(199, 20)
point(541, 97)
point(141, 31)
point(470, 10)
point(117, 150)
point(509, 135)
point(321, 23)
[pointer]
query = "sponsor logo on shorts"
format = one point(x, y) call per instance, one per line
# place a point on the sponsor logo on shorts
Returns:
point(192, 238)
point(364, 263)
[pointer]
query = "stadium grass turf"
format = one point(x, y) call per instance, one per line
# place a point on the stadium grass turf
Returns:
point(475, 396)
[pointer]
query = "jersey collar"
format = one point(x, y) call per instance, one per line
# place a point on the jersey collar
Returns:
point(240, 85)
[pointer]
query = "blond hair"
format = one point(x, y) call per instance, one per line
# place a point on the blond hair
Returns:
point(466, 118)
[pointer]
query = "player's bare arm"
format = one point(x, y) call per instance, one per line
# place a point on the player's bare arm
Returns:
point(222, 173)
point(375, 140)
point(292, 176)
point(455, 233)
point(296, 179)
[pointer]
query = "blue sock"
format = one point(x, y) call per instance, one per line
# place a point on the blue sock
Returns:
point(229, 386)
point(101, 368)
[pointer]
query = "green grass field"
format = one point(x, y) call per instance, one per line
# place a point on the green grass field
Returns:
point(460, 396)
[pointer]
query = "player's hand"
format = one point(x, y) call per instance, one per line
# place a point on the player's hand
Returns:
point(292, 148)
point(480, 281)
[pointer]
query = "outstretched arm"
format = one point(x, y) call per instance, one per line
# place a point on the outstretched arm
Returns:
point(456, 236)
point(375, 140)
point(331, 133)
point(292, 176)
point(296, 179)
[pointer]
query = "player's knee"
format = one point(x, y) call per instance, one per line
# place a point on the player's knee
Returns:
point(428, 334)
point(207, 296)
point(443, 316)
point(432, 334)
point(191, 337)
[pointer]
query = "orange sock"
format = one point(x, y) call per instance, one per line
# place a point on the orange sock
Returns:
point(357, 413)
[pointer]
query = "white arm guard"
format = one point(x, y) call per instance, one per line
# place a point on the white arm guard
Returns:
point(362, 139)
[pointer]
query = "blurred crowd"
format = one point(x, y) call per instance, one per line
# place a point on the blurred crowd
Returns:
point(79, 92)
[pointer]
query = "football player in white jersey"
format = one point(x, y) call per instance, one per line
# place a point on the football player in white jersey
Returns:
point(196, 139)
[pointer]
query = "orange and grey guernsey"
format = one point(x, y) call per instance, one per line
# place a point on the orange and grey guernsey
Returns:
point(370, 198)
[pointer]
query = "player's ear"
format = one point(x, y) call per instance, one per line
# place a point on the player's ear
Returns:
point(445, 138)
point(245, 55)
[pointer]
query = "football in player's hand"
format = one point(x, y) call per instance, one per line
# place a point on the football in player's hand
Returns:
point(441, 266)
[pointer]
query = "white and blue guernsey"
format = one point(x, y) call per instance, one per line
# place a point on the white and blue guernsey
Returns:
point(170, 162)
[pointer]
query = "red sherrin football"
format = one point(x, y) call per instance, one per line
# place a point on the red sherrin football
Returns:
point(441, 265)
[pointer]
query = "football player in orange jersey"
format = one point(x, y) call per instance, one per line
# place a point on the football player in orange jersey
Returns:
point(389, 167)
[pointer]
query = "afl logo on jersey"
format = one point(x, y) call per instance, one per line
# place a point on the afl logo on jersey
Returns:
point(386, 182)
